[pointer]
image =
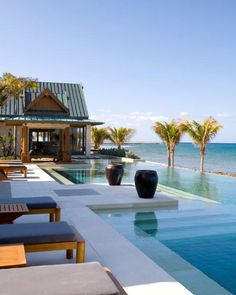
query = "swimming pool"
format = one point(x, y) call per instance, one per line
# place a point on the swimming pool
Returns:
point(184, 243)
point(211, 186)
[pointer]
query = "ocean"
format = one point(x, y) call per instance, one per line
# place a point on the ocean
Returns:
point(220, 157)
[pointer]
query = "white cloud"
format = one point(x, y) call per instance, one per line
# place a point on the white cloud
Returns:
point(184, 114)
point(136, 120)
point(159, 118)
point(146, 116)
point(224, 115)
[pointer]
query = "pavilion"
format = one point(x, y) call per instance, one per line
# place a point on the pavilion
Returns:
point(50, 120)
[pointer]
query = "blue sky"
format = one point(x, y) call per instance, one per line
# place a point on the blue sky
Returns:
point(139, 61)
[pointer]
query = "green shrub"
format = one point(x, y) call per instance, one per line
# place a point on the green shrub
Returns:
point(7, 158)
point(123, 153)
point(113, 152)
point(131, 155)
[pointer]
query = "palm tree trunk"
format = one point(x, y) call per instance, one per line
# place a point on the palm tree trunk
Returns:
point(15, 141)
point(172, 157)
point(15, 129)
point(202, 159)
point(168, 156)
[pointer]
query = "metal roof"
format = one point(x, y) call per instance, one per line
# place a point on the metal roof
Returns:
point(71, 95)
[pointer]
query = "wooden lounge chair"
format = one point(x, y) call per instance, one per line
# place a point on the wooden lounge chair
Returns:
point(39, 237)
point(11, 167)
point(38, 205)
point(80, 279)
point(9, 212)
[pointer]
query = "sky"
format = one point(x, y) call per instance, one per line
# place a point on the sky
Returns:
point(140, 61)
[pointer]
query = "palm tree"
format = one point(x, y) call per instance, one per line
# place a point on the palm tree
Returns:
point(11, 85)
point(98, 136)
point(202, 134)
point(162, 130)
point(120, 135)
point(3, 96)
point(170, 133)
point(15, 85)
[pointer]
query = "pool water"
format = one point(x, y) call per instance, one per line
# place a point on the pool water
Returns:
point(211, 186)
point(214, 255)
point(204, 238)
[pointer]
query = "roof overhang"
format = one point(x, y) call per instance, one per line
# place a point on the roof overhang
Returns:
point(53, 120)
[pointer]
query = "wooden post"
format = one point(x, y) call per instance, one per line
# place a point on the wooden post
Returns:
point(88, 141)
point(66, 145)
point(61, 145)
point(24, 145)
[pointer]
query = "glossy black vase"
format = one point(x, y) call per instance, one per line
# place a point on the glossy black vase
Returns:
point(146, 183)
point(114, 173)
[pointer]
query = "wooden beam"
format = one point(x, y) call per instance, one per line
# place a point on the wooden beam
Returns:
point(24, 145)
point(47, 125)
point(66, 157)
point(12, 123)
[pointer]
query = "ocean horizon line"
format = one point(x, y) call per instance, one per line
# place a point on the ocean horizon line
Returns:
point(154, 142)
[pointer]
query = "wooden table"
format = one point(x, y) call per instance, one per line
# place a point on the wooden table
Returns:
point(9, 212)
point(12, 256)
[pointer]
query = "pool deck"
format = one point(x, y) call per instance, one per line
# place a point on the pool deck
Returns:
point(136, 272)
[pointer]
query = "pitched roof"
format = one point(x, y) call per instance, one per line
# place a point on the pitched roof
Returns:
point(70, 95)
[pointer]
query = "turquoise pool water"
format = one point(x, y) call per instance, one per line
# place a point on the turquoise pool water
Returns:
point(205, 239)
point(211, 186)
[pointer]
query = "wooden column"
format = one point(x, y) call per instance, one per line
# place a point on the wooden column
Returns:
point(24, 145)
point(66, 145)
point(60, 146)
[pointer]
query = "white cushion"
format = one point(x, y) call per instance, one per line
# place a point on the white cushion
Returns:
point(67, 279)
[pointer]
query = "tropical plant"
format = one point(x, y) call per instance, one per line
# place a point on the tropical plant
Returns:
point(113, 152)
point(11, 85)
point(15, 85)
point(170, 133)
point(120, 135)
point(202, 134)
point(6, 143)
point(131, 155)
point(3, 96)
point(123, 153)
point(98, 136)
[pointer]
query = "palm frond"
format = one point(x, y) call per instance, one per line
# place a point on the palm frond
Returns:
point(98, 136)
point(203, 133)
point(169, 132)
point(120, 135)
